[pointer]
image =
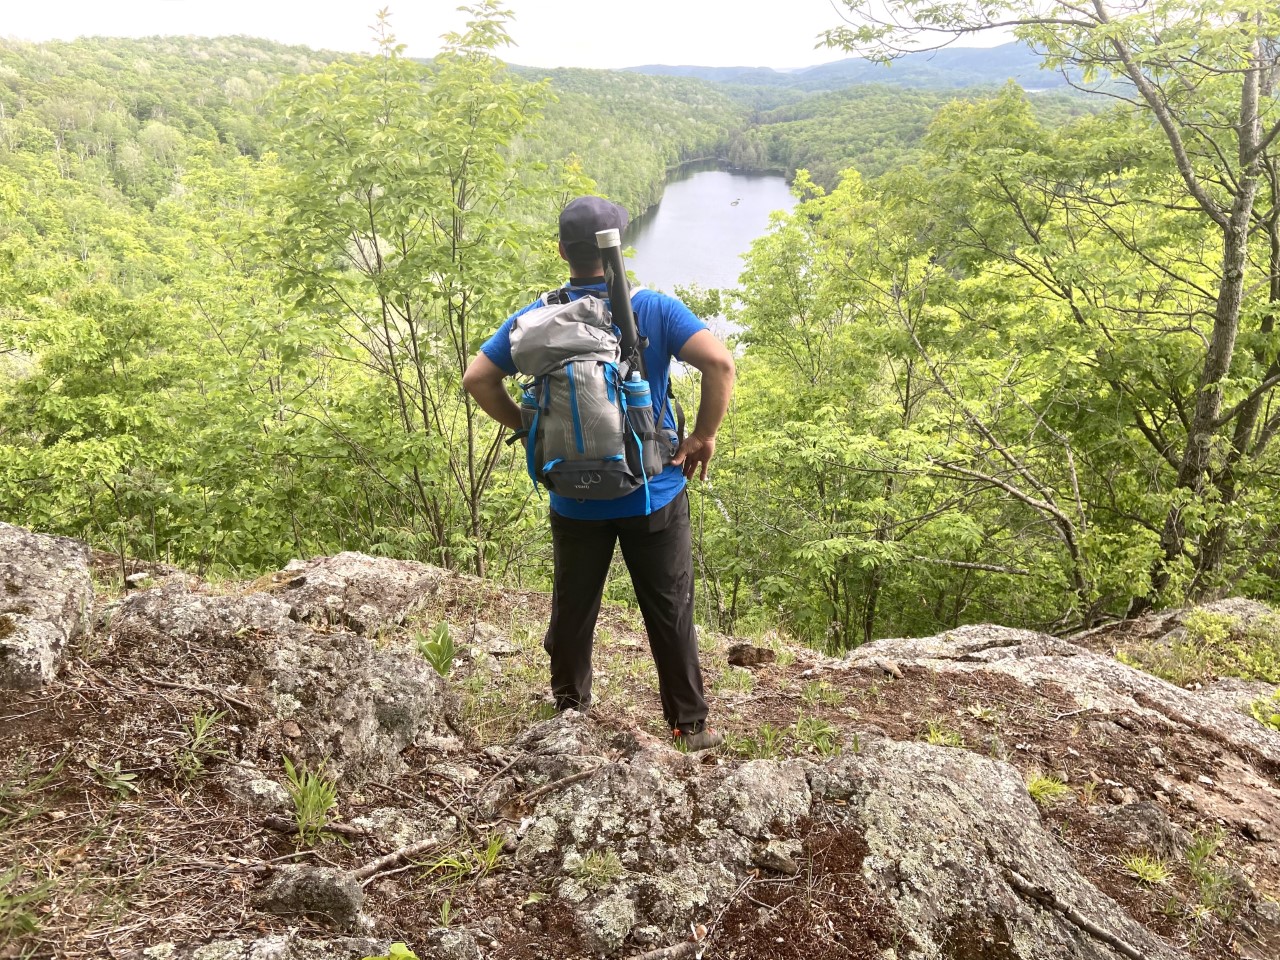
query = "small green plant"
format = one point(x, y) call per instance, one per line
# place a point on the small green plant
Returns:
point(1266, 710)
point(446, 912)
point(438, 648)
point(20, 908)
point(765, 745)
point(735, 680)
point(819, 692)
point(598, 869)
point(818, 734)
point(115, 779)
point(1217, 888)
point(1089, 793)
point(940, 735)
point(984, 713)
point(201, 744)
point(1206, 627)
point(1045, 789)
point(397, 951)
point(313, 795)
point(451, 868)
point(1146, 868)
point(543, 710)
point(488, 858)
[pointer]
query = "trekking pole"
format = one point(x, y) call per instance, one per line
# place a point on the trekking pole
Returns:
point(615, 278)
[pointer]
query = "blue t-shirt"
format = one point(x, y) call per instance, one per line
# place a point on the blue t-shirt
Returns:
point(668, 324)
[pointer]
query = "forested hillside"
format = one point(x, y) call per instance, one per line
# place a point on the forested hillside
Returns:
point(954, 68)
point(1017, 363)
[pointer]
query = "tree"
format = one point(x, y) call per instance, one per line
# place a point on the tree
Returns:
point(1204, 75)
point(411, 230)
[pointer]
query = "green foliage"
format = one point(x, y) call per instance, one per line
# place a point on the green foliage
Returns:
point(314, 796)
point(819, 692)
point(1266, 710)
point(1146, 868)
point(201, 744)
point(438, 648)
point(734, 680)
point(1046, 789)
point(1212, 645)
point(817, 735)
point(766, 744)
point(115, 778)
point(20, 902)
point(939, 733)
point(1215, 885)
point(597, 869)
point(397, 951)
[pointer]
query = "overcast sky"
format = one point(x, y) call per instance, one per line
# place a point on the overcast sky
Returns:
point(574, 33)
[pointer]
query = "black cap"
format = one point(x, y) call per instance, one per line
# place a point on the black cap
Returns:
point(581, 218)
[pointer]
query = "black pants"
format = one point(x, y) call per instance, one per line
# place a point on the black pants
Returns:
point(657, 552)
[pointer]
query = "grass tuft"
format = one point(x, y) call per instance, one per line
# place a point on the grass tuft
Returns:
point(940, 734)
point(598, 869)
point(1045, 789)
point(313, 796)
point(1147, 869)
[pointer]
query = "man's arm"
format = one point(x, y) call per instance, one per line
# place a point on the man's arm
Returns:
point(714, 360)
point(483, 380)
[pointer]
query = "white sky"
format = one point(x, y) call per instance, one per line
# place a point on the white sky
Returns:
point(574, 33)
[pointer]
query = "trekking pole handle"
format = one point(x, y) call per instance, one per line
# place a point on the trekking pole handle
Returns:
point(615, 277)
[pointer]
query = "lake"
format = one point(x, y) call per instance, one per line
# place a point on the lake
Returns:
point(704, 223)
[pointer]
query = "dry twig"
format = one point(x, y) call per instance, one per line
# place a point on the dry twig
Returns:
point(374, 867)
point(540, 792)
point(284, 825)
point(1048, 898)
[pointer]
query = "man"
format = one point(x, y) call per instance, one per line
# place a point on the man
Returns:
point(656, 546)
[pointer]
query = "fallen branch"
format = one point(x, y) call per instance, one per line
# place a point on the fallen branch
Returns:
point(532, 795)
point(1049, 899)
point(692, 947)
point(374, 867)
point(689, 948)
point(285, 825)
point(507, 766)
point(196, 688)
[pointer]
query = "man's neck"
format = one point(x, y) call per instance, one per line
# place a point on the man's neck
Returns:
point(585, 281)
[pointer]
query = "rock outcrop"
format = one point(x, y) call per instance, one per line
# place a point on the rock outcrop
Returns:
point(362, 593)
point(986, 794)
point(46, 603)
point(330, 696)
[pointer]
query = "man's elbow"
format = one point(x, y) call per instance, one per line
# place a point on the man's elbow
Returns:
point(721, 366)
point(473, 377)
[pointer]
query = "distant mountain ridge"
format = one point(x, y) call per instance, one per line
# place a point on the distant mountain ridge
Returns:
point(947, 68)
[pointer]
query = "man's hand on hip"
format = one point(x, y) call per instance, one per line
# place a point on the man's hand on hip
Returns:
point(694, 455)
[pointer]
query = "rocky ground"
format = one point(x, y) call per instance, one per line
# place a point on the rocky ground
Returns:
point(987, 793)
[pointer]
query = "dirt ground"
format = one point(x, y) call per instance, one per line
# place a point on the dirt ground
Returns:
point(112, 838)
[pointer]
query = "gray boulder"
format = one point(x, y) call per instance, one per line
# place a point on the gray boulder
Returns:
point(328, 896)
point(357, 591)
point(283, 946)
point(46, 603)
point(951, 847)
point(332, 696)
point(957, 846)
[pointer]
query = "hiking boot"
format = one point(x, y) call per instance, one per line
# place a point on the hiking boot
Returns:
point(696, 737)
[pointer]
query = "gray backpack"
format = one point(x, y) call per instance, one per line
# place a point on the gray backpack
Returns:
point(590, 421)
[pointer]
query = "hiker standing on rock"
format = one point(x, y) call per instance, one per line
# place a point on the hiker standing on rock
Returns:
point(584, 397)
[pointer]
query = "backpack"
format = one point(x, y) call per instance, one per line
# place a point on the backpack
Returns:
point(587, 412)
